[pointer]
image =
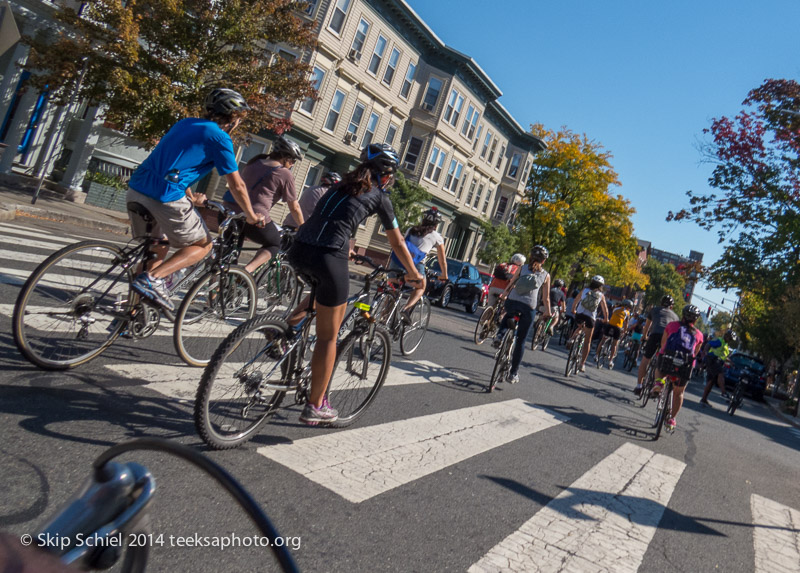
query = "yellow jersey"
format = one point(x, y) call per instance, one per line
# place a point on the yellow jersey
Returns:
point(619, 316)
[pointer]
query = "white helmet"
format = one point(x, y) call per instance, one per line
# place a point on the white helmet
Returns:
point(518, 259)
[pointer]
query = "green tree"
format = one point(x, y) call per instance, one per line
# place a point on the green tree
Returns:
point(408, 199)
point(720, 321)
point(500, 244)
point(664, 280)
point(151, 62)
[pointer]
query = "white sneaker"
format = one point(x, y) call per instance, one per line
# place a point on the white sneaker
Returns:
point(513, 378)
point(582, 368)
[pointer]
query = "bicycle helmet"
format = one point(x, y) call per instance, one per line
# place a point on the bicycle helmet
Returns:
point(431, 217)
point(596, 282)
point(667, 301)
point(381, 157)
point(539, 254)
point(731, 337)
point(627, 303)
point(691, 313)
point(224, 102)
point(288, 147)
point(330, 178)
point(559, 283)
point(518, 259)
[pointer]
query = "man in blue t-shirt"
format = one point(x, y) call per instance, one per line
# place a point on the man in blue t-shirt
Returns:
point(188, 151)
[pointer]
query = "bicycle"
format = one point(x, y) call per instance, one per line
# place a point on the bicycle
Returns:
point(664, 406)
point(541, 336)
point(565, 328)
point(648, 381)
point(78, 301)
point(112, 507)
point(276, 281)
point(632, 353)
point(387, 307)
point(502, 358)
point(603, 354)
point(575, 354)
point(737, 397)
point(489, 322)
point(263, 360)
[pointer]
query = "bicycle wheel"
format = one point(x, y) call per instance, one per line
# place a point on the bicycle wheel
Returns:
point(210, 311)
point(232, 401)
point(665, 405)
point(502, 362)
point(537, 334)
point(483, 329)
point(736, 400)
point(545, 339)
point(362, 363)
point(648, 382)
point(278, 289)
point(412, 334)
point(66, 313)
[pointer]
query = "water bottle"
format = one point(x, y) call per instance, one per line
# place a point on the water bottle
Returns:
point(175, 278)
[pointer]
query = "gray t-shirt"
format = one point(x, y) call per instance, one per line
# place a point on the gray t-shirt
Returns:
point(660, 317)
point(533, 296)
point(308, 200)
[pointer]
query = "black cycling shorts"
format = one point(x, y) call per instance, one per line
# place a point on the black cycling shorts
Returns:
point(584, 320)
point(612, 331)
point(324, 269)
point(652, 345)
point(713, 368)
point(268, 236)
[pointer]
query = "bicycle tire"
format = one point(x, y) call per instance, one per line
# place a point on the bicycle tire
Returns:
point(357, 355)
point(537, 334)
point(662, 408)
point(572, 357)
point(502, 360)
point(411, 335)
point(648, 382)
point(736, 400)
point(201, 325)
point(248, 343)
point(484, 327)
point(277, 294)
point(88, 329)
point(546, 339)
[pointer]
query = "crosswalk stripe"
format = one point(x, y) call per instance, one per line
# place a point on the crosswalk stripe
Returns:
point(6, 229)
point(776, 536)
point(49, 246)
point(16, 228)
point(603, 522)
point(361, 463)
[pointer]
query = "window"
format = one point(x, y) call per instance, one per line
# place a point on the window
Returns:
point(407, 82)
point(491, 153)
point(432, 94)
point(471, 191)
point(339, 14)
point(527, 171)
point(377, 55)
point(513, 167)
point(470, 121)
point(312, 5)
point(412, 153)
point(502, 205)
point(360, 37)
point(461, 189)
point(500, 157)
point(391, 133)
point(435, 164)
point(311, 177)
point(336, 109)
point(453, 176)
point(388, 75)
point(486, 143)
point(478, 196)
point(477, 137)
point(255, 147)
point(486, 201)
point(355, 120)
point(453, 109)
point(372, 125)
point(316, 79)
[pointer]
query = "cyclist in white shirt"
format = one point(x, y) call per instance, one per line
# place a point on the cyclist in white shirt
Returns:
point(585, 309)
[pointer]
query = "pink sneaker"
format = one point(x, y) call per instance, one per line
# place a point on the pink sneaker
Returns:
point(671, 424)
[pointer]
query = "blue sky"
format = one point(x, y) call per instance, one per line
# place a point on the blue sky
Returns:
point(641, 78)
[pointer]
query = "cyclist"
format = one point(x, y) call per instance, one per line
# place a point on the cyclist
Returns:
point(308, 200)
point(521, 296)
point(657, 321)
point(557, 303)
point(502, 276)
point(269, 180)
point(679, 338)
point(320, 253)
point(420, 239)
point(718, 351)
point(617, 323)
point(584, 307)
point(188, 151)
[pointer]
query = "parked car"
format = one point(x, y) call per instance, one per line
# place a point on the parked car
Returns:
point(463, 286)
point(740, 364)
point(486, 279)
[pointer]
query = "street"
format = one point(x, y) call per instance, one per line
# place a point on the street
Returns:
point(553, 473)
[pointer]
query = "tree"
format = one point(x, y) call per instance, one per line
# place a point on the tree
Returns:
point(408, 199)
point(500, 244)
point(720, 321)
point(152, 62)
point(664, 280)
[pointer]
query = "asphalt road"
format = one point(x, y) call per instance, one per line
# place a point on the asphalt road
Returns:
point(553, 473)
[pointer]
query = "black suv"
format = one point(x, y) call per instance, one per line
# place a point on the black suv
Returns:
point(740, 364)
point(463, 286)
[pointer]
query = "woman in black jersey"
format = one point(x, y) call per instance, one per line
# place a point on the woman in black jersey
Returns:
point(321, 252)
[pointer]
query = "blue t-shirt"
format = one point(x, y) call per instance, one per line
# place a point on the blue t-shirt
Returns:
point(188, 151)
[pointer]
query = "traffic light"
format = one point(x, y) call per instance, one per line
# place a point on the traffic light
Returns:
point(708, 312)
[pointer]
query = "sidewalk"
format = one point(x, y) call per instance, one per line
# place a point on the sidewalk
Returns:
point(774, 404)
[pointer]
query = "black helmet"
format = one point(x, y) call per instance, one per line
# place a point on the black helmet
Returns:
point(539, 254)
point(288, 147)
point(667, 300)
point(730, 337)
point(330, 178)
point(559, 283)
point(691, 312)
point(431, 217)
point(380, 156)
point(224, 102)
point(627, 303)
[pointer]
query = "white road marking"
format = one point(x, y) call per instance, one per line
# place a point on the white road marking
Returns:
point(362, 463)
point(6, 229)
point(603, 522)
point(18, 228)
point(776, 536)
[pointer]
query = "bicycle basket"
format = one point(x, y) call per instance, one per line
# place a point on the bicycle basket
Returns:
point(677, 364)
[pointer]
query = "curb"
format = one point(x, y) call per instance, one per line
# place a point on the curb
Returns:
point(10, 212)
point(782, 415)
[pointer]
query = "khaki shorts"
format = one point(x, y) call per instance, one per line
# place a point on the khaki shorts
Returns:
point(178, 220)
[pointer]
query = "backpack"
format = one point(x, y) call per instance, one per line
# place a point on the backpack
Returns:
point(526, 284)
point(417, 255)
point(501, 272)
point(592, 300)
point(679, 352)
